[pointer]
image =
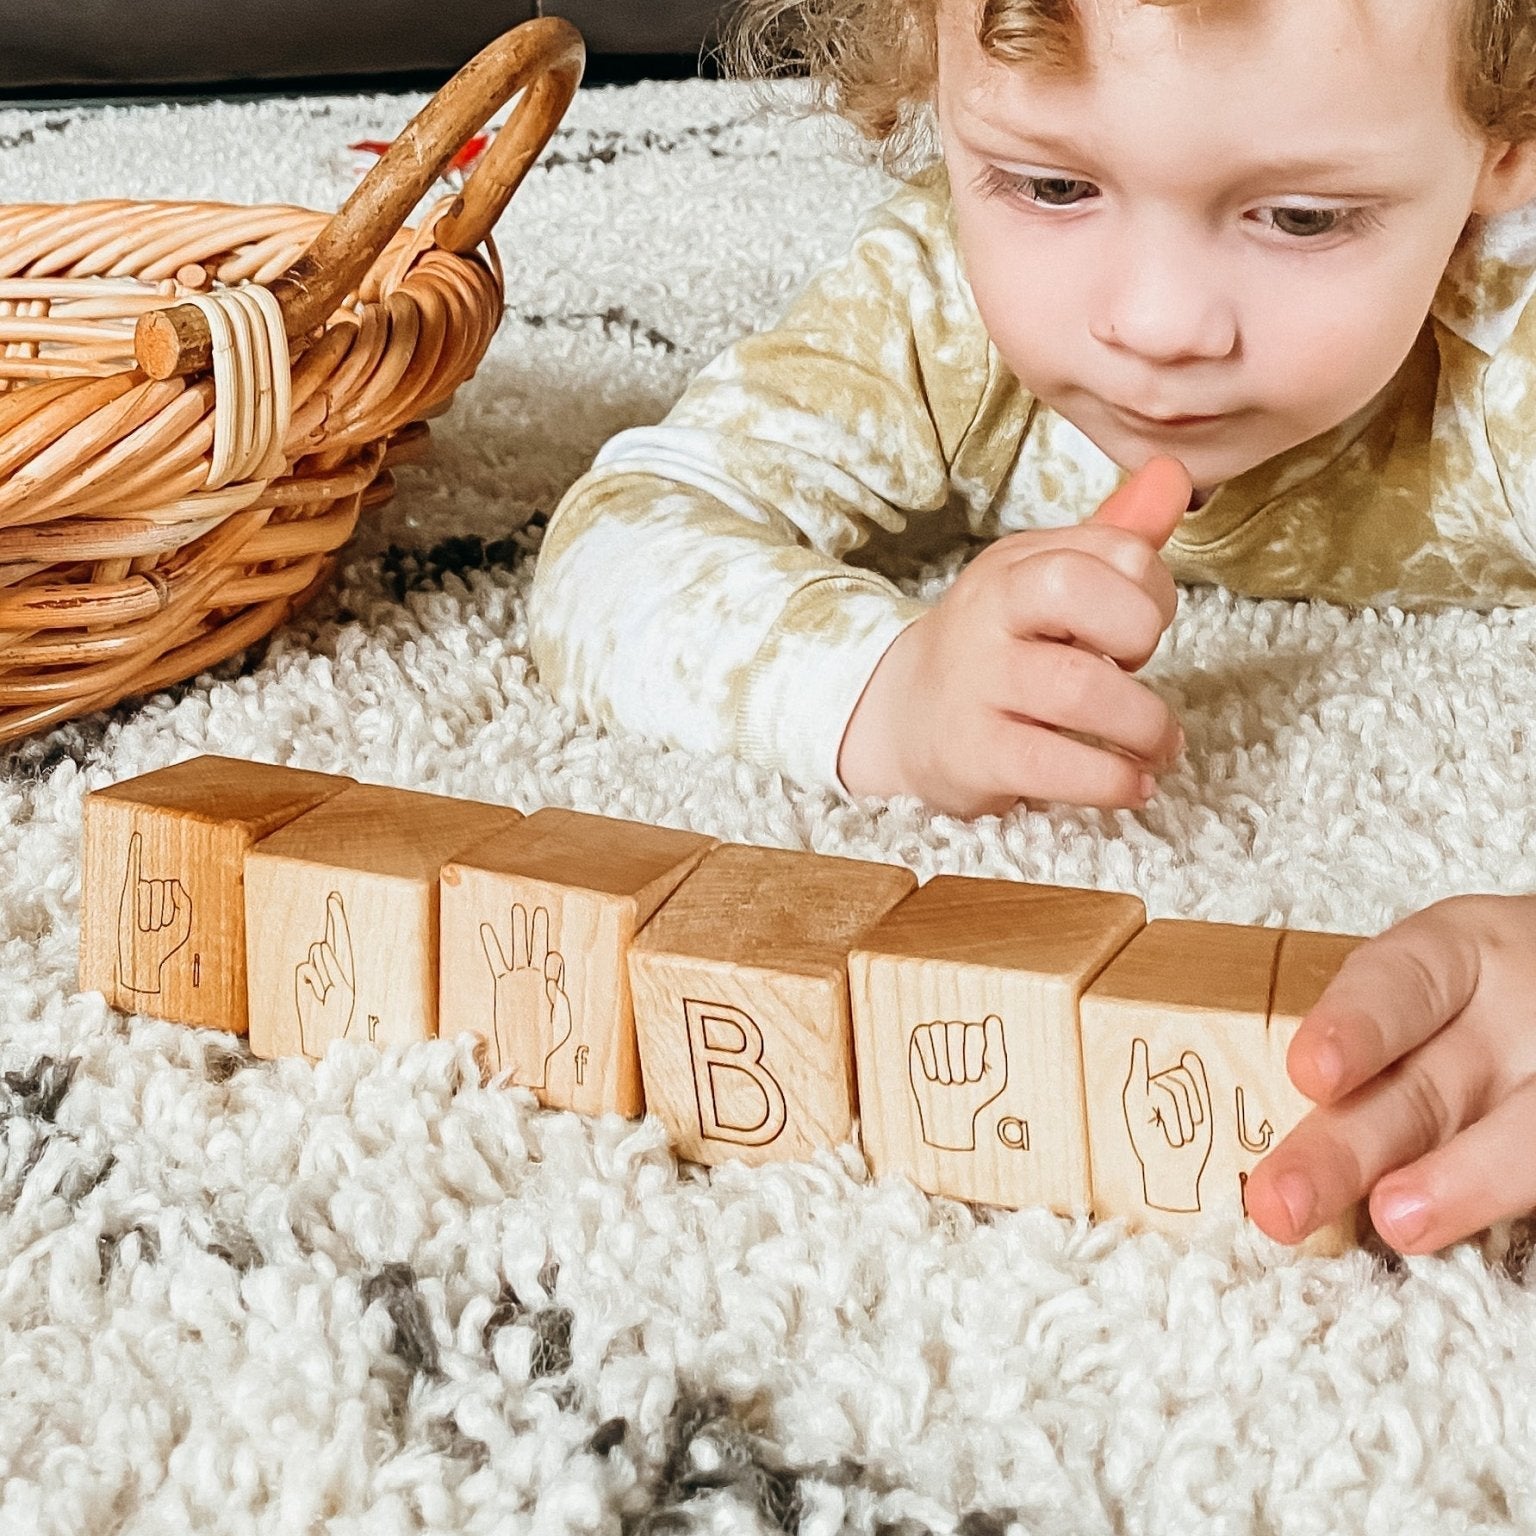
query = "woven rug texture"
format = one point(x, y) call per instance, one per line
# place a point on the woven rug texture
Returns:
point(372, 1296)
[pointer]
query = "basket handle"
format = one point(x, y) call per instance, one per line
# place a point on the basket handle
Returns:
point(547, 55)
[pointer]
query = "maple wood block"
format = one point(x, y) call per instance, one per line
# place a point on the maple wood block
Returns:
point(965, 1032)
point(536, 927)
point(341, 917)
point(740, 987)
point(1184, 1066)
point(162, 901)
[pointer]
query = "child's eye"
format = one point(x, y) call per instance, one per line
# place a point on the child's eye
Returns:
point(1343, 220)
point(1047, 192)
point(1030, 187)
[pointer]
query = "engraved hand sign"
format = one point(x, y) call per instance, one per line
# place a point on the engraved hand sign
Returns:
point(533, 1014)
point(154, 919)
point(956, 1070)
point(1168, 1114)
point(324, 985)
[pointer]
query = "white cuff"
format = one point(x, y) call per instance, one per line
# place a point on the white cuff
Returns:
point(812, 669)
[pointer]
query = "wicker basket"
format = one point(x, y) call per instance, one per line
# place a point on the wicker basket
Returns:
point(198, 400)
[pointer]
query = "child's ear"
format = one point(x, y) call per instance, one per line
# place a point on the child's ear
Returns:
point(1508, 178)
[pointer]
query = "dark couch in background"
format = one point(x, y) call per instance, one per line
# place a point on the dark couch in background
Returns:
point(97, 45)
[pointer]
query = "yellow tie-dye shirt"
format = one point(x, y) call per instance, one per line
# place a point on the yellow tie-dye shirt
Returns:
point(721, 581)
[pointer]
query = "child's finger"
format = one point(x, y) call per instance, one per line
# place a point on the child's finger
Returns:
point(1072, 595)
point(1338, 1152)
point(1151, 503)
point(1447, 1195)
point(1390, 995)
point(1026, 760)
point(1109, 705)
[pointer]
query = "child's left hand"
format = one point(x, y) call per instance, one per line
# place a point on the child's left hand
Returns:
point(1431, 1089)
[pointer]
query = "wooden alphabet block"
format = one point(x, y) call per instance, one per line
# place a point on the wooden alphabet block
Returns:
point(537, 922)
point(342, 918)
point(740, 988)
point(162, 898)
point(965, 1030)
point(1184, 1064)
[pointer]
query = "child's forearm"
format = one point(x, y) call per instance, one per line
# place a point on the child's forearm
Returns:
point(656, 608)
point(692, 584)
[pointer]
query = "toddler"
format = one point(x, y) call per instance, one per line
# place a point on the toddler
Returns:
point(1232, 292)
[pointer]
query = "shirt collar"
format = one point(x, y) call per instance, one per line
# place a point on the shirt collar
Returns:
point(1489, 279)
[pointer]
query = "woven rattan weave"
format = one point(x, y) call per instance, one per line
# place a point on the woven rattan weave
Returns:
point(199, 400)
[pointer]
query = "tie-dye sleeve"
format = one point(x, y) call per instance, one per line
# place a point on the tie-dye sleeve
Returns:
point(692, 585)
point(1508, 404)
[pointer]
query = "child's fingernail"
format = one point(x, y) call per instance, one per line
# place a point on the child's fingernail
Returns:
point(1148, 786)
point(1407, 1217)
point(1296, 1191)
point(1328, 1063)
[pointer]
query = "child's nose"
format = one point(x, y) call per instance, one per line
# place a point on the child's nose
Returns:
point(1165, 310)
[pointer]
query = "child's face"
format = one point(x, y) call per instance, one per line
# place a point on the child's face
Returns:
point(1156, 265)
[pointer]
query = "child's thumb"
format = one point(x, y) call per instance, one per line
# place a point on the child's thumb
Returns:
point(1151, 502)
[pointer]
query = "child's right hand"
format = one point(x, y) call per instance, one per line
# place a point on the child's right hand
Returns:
point(1037, 636)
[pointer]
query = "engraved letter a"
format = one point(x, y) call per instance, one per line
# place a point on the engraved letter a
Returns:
point(732, 1068)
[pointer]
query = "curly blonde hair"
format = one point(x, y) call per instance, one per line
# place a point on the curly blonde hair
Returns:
point(874, 62)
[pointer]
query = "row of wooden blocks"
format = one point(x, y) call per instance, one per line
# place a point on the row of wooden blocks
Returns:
point(1000, 1042)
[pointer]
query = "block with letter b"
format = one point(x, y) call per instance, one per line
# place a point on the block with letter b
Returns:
point(162, 890)
point(1185, 1036)
point(740, 987)
point(966, 1036)
point(342, 918)
point(537, 922)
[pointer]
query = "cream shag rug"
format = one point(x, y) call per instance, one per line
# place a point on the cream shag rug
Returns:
point(372, 1297)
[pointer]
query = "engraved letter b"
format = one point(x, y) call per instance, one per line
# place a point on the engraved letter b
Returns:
point(732, 1071)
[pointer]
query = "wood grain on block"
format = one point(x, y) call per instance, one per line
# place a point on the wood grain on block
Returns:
point(342, 917)
point(966, 1036)
point(740, 987)
point(537, 922)
point(1184, 1071)
point(162, 921)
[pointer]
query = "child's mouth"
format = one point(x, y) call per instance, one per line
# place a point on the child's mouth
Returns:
point(1164, 423)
